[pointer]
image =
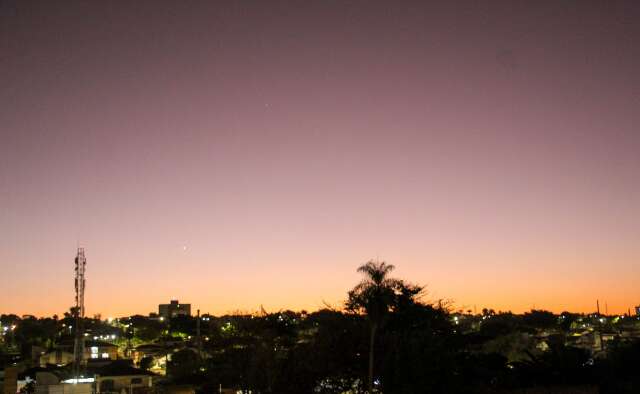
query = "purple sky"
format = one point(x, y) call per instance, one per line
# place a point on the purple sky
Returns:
point(234, 154)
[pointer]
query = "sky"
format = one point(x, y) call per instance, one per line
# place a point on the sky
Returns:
point(235, 154)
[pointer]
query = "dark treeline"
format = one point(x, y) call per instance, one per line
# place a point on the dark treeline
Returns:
point(386, 339)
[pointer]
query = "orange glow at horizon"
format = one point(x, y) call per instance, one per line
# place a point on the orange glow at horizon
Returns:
point(499, 287)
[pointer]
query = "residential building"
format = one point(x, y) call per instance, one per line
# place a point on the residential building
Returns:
point(56, 357)
point(173, 309)
point(100, 350)
point(113, 378)
point(120, 376)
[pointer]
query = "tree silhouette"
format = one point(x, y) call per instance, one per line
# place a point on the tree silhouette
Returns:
point(375, 295)
point(146, 362)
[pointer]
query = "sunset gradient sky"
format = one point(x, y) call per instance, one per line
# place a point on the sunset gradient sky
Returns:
point(232, 154)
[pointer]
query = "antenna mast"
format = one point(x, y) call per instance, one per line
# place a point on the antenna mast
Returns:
point(78, 346)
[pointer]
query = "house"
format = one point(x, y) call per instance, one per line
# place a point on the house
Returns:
point(57, 357)
point(120, 376)
point(157, 353)
point(116, 377)
point(93, 350)
point(59, 382)
point(100, 350)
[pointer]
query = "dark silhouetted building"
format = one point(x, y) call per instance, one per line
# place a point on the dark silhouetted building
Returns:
point(173, 309)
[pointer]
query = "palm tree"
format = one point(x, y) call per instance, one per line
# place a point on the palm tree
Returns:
point(375, 295)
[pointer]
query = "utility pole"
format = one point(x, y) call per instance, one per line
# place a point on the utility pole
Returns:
point(198, 337)
point(78, 346)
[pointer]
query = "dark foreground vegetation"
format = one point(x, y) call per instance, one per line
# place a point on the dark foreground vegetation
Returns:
point(387, 339)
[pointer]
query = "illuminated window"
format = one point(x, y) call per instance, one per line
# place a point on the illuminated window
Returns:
point(105, 355)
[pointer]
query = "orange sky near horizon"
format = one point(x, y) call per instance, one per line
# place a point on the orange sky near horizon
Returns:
point(222, 293)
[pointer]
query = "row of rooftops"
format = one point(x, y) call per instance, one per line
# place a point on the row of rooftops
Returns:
point(121, 367)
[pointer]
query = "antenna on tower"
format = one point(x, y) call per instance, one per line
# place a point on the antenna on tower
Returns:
point(78, 346)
